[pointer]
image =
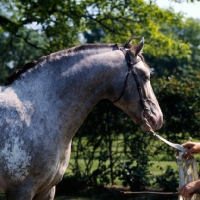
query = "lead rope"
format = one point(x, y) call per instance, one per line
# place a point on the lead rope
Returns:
point(188, 171)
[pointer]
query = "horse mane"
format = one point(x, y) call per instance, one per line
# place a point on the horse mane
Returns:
point(16, 74)
point(93, 46)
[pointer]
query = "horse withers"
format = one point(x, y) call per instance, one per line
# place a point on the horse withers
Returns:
point(43, 104)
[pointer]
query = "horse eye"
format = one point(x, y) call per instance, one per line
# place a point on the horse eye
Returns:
point(147, 78)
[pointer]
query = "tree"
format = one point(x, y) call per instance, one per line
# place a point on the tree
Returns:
point(15, 53)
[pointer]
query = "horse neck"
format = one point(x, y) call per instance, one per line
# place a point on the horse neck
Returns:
point(79, 82)
point(86, 82)
point(98, 78)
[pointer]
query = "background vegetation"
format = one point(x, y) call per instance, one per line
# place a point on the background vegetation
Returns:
point(109, 148)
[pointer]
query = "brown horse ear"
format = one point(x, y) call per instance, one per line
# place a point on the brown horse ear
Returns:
point(138, 47)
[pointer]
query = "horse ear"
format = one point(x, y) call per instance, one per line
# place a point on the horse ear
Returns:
point(139, 47)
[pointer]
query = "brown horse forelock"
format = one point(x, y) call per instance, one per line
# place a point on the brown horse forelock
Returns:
point(16, 74)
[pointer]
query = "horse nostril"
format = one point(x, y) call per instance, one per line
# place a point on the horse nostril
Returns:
point(147, 114)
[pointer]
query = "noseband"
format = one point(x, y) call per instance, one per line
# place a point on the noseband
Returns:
point(131, 69)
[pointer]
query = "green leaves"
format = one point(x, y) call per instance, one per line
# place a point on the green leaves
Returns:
point(179, 101)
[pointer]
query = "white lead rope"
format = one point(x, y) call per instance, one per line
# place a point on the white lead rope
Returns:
point(188, 171)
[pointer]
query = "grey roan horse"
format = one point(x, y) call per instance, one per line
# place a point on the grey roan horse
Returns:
point(43, 104)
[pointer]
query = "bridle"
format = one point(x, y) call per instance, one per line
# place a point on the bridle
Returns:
point(132, 70)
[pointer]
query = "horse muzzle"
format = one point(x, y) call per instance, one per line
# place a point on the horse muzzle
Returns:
point(151, 122)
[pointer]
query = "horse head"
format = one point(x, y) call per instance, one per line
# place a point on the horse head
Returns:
point(137, 98)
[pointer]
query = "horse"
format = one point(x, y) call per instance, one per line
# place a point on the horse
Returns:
point(43, 104)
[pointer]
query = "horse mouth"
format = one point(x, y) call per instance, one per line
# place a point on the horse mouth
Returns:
point(152, 122)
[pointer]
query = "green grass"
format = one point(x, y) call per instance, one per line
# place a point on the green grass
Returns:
point(159, 166)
